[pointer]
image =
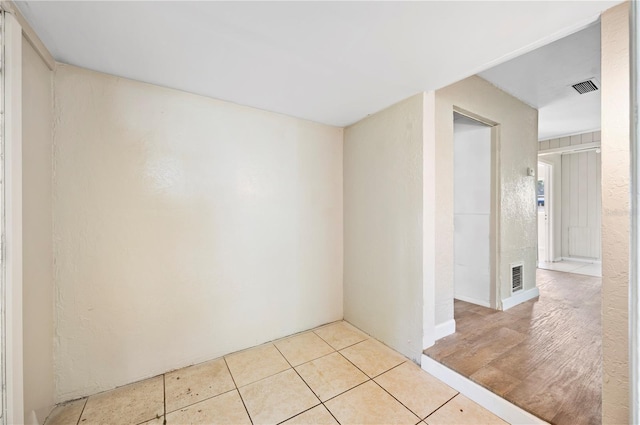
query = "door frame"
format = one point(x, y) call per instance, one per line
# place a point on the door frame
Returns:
point(11, 212)
point(549, 209)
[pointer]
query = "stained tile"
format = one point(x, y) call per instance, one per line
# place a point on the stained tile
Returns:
point(256, 363)
point(462, 411)
point(340, 335)
point(67, 413)
point(223, 409)
point(196, 383)
point(372, 357)
point(331, 375)
point(277, 398)
point(369, 404)
point(302, 348)
point(131, 404)
point(498, 381)
point(319, 415)
point(159, 420)
point(416, 389)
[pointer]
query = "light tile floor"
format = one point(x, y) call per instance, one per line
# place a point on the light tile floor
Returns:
point(577, 267)
point(334, 374)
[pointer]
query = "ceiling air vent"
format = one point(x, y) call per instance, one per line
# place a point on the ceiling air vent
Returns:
point(585, 87)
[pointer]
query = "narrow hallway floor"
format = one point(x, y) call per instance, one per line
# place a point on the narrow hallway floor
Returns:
point(333, 374)
point(544, 355)
point(577, 267)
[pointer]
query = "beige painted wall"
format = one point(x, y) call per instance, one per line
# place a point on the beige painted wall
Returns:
point(615, 214)
point(185, 228)
point(518, 148)
point(37, 124)
point(383, 214)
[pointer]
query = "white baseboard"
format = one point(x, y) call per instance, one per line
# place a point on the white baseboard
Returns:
point(472, 300)
point(445, 329)
point(581, 260)
point(485, 398)
point(519, 298)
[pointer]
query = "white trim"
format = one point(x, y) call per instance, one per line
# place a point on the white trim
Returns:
point(29, 33)
point(634, 255)
point(519, 298)
point(472, 300)
point(560, 136)
point(581, 260)
point(571, 149)
point(549, 206)
point(13, 218)
point(445, 329)
point(485, 398)
point(428, 218)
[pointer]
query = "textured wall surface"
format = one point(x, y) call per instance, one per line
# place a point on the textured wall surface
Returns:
point(518, 148)
point(185, 228)
point(37, 124)
point(615, 214)
point(383, 282)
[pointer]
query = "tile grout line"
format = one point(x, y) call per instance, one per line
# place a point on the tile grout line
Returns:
point(201, 401)
point(442, 405)
point(82, 412)
point(346, 346)
point(305, 382)
point(394, 397)
point(238, 389)
point(346, 391)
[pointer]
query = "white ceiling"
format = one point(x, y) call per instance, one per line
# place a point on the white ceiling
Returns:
point(330, 62)
point(543, 79)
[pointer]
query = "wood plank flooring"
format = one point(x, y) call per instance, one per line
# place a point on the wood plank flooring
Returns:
point(544, 355)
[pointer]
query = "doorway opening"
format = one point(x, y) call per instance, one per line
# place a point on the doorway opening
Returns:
point(474, 211)
point(544, 200)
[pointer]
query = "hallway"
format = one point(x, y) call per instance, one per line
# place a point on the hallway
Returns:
point(543, 355)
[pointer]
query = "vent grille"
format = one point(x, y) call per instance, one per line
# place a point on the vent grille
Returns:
point(585, 87)
point(516, 277)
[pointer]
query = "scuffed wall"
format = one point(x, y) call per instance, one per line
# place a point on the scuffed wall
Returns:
point(185, 228)
point(38, 331)
point(518, 148)
point(615, 214)
point(383, 214)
